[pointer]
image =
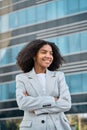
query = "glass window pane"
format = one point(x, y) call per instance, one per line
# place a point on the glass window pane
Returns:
point(83, 39)
point(4, 23)
point(68, 82)
point(15, 52)
point(3, 58)
point(4, 91)
point(54, 40)
point(73, 6)
point(83, 5)
point(41, 13)
point(11, 91)
point(7, 91)
point(8, 55)
point(74, 43)
point(75, 83)
point(31, 15)
point(51, 10)
point(22, 17)
point(0, 24)
point(84, 83)
point(61, 6)
point(63, 45)
point(13, 20)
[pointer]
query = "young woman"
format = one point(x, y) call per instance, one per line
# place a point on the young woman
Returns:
point(41, 90)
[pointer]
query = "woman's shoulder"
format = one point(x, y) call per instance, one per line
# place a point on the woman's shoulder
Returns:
point(20, 76)
point(57, 73)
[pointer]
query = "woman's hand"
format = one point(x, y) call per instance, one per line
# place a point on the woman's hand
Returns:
point(25, 93)
point(56, 98)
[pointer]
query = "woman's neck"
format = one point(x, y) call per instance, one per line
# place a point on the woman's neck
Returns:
point(39, 70)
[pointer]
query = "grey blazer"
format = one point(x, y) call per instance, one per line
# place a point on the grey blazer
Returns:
point(43, 112)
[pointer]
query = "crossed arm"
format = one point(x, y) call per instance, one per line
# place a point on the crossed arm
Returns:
point(26, 94)
point(43, 104)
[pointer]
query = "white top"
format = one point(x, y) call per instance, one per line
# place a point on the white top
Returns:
point(42, 79)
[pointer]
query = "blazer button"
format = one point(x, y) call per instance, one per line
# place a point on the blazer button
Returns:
point(42, 121)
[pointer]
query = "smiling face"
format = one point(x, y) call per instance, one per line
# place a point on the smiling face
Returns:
point(43, 59)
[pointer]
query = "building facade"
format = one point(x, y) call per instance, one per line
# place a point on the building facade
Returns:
point(61, 21)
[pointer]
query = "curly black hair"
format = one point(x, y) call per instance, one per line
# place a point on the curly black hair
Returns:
point(25, 57)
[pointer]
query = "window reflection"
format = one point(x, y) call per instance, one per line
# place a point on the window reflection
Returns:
point(74, 39)
point(7, 91)
point(51, 11)
point(13, 20)
point(22, 17)
point(0, 23)
point(83, 5)
point(61, 8)
point(65, 44)
point(83, 40)
point(4, 23)
point(2, 56)
point(71, 8)
point(77, 82)
point(31, 15)
point(41, 13)
point(8, 55)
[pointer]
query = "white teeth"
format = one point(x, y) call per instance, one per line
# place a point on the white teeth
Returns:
point(47, 61)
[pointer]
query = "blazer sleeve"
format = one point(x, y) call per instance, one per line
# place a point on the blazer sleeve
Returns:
point(29, 102)
point(64, 102)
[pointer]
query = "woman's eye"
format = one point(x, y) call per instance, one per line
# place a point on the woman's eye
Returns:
point(43, 52)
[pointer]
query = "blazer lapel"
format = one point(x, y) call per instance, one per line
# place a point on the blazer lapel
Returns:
point(50, 82)
point(34, 82)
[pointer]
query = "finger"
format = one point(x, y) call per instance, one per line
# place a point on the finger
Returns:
point(25, 93)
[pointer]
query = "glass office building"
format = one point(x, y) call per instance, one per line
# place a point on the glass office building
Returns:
point(61, 21)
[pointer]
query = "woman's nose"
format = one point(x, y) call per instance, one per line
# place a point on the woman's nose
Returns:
point(48, 55)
